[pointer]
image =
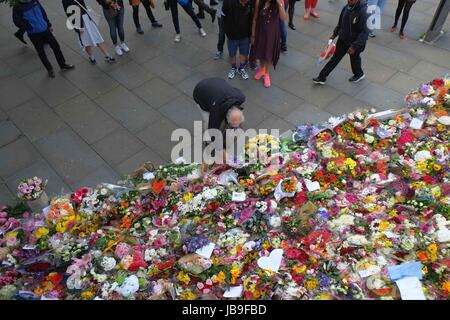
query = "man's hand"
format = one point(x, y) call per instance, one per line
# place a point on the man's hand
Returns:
point(351, 51)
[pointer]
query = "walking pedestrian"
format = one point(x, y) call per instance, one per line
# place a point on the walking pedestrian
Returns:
point(291, 11)
point(29, 15)
point(405, 6)
point(114, 12)
point(148, 5)
point(352, 33)
point(238, 18)
point(266, 35)
point(283, 29)
point(88, 33)
point(379, 4)
point(221, 37)
point(202, 7)
point(187, 6)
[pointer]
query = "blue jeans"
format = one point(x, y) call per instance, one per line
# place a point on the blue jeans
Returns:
point(116, 26)
point(189, 10)
point(242, 44)
point(283, 33)
point(379, 3)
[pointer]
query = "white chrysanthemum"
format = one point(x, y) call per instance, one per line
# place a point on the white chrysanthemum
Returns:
point(108, 263)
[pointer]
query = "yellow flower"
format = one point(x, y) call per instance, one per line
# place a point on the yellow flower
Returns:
point(196, 220)
point(220, 278)
point(436, 192)
point(87, 295)
point(299, 269)
point(436, 167)
point(324, 296)
point(60, 227)
point(350, 163)
point(188, 295)
point(188, 196)
point(424, 270)
point(266, 245)
point(235, 272)
point(432, 248)
point(446, 287)
point(183, 277)
point(311, 284)
point(41, 232)
point(384, 225)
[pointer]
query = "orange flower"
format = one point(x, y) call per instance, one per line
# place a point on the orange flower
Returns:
point(422, 256)
point(446, 287)
point(158, 185)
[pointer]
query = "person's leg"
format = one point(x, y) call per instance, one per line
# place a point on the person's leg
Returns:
point(313, 8)
point(355, 61)
point(244, 50)
point(221, 40)
point(341, 51)
point(232, 50)
point(19, 34)
point(174, 11)
point(190, 11)
point(53, 43)
point(38, 42)
point(148, 10)
point(120, 24)
point(202, 6)
point(291, 11)
point(405, 17)
point(136, 17)
point(307, 9)
point(102, 47)
point(112, 28)
point(283, 32)
point(267, 65)
point(398, 12)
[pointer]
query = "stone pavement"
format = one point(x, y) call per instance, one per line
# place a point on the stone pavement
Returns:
point(97, 123)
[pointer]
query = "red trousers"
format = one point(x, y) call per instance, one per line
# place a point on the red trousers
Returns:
point(310, 4)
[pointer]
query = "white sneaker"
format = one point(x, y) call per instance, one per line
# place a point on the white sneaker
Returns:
point(202, 32)
point(125, 47)
point(119, 51)
point(232, 73)
point(177, 38)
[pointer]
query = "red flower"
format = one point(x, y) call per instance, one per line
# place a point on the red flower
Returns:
point(437, 83)
point(300, 198)
point(165, 265)
point(298, 278)
point(158, 185)
point(56, 278)
point(138, 261)
point(292, 253)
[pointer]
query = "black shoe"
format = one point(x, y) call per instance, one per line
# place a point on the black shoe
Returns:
point(213, 3)
point(291, 25)
point(356, 79)
point(284, 48)
point(67, 67)
point(213, 15)
point(156, 24)
point(92, 60)
point(110, 59)
point(19, 36)
point(51, 74)
point(319, 80)
point(139, 30)
point(166, 5)
point(372, 35)
point(201, 15)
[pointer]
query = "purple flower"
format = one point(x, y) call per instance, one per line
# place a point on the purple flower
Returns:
point(245, 215)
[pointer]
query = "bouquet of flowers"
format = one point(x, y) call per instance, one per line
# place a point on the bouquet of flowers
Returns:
point(31, 189)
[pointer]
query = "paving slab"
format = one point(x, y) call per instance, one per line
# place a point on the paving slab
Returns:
point(103, 174)
point(125, 107)
point(403, 82)
point(169, 69)
point(87, 119)
point(8, 133)
point(157, 137)
point(139, 158)
point(344, 104)
point(182, 111)
point(16, 156)
point(131, 75)
point(6, 197)
point(307, 113)
point(35, 119)
point(14, 92)
point(69, 155)
point(157, 92)
point(427, 71)
point(381, 97)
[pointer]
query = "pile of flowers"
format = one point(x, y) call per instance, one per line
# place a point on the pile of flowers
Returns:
point(327, 217)
point(31, 189)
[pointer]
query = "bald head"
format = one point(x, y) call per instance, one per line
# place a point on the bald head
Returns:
point(235, 117)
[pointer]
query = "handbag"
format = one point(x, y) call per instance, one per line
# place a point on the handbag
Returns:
point(110, 12)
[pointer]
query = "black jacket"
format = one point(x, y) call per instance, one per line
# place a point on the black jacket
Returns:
point(238, 19)
point(352, 26)
point(216, 96)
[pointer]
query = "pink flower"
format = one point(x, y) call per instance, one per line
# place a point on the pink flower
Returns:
point(37, 181)
point(122, 250)
point(200, 285)
point(206, 291)
point(209, 282)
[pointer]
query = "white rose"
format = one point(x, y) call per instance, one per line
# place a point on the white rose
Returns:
point(369, 138)
point(108, 263)
point(275, 221)
point(422, 155)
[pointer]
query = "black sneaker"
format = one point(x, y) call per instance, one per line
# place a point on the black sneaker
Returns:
point(139, 30)
point(291, 25)
point(51, 74)
point(284, 48)
point(201, 15)
point(156, 24)
point(213, 3)
point(92, 60)
point(110, 59)
point(68, 67)
point(319, 80)
point(19, 36)
point(356, 79)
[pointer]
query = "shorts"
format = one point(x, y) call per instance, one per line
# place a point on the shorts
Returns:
point(242, 44)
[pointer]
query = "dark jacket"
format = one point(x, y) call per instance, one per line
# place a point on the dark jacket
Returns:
point(216, 96)
point(238, 19)
point(67, 3)
point(352, 26)
point(107, 6)
point(31, 17)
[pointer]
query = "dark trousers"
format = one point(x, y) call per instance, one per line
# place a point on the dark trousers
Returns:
point(148, 9)
point(221, 40)
point(189, 10)
point(291, 11)
point(39, 40)
point(116, 26)
point(404, 6)
point(202, 7)
point(21, 32)
point(341, 51)
point(283, 32)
